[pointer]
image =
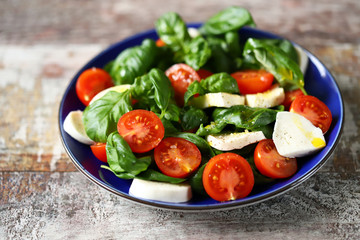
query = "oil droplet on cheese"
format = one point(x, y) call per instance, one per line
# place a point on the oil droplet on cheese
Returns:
point(318, 143)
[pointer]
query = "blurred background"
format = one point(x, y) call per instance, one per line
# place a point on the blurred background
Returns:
point(42, 195)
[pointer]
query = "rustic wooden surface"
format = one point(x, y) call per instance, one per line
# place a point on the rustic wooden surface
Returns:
point(42, 195)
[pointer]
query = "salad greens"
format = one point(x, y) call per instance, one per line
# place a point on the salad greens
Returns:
point(219, 48)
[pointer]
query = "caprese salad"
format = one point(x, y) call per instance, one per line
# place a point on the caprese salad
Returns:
point(200, 111)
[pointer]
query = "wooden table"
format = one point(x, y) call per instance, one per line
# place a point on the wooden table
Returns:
point(43, 196)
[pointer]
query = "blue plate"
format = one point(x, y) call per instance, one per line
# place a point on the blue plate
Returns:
point(318, 82)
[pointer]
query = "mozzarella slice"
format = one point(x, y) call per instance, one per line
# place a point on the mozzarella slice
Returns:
point(74, 126)
point(227, 142)
point(303, 59)
point(220, 99)
point(118, 88)
point(267, 99)
point(160, 191)
point(193, 32)
point(295, 136)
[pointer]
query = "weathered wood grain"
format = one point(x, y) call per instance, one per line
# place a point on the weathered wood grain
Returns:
point(90, 21)
point(59, 206)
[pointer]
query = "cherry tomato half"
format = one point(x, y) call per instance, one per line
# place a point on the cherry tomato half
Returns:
point(290, 97)
point(91, 82)
point(270, 163)
point(314, 110)
point(141, 129)
point(203, 73)
point(228, 176)
point(253, 81)
point(181, 76)
point(177, 157)
point(99, 150)
point(160, 43)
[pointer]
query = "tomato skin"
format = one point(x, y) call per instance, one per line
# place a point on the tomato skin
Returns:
point(91, 82)
point(270, 163)
point(99, 150)
point(177, 157)
point(160, 43)
point(314, 110)
point(228, 176)
point(181, 76)
point(253, 81)
point(141, 129)
point(290, 97)
point(203, 73)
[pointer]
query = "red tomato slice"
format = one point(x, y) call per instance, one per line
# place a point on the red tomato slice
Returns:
point(141, 129)
point(91, 82)
point(99, 150)
point(181, 76)
point(177, 157)
point(314, 110)
point(269, 162)
point(203, 73)
point(160, 43)
point(253, 81)
point(228, 176)
point(290, 97)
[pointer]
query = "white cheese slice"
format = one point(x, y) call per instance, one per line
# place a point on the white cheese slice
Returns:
point(193, 32)
point(295, 136)
point(118, 88)
point(267, 99)
point(303, 59)
point(220, 99)
point(227, 142)
point(74, 126)
point(160, 191)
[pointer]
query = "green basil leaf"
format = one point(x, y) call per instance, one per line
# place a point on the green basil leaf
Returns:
point(240, 116)
point(123, 175)
point(121, 158)
point(193, 89)
point(153, 175)
point(153, 88)
point(286, 71)
point(229, 19)
point(173, 31)
point(172, 113)
point(100, 118)
point(197, 52)
point(197, 183)
point(286, 46)
point(220, 82)
point(133, 62)
point(192, 118)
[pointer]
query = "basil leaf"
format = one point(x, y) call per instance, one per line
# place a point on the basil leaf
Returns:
point(173, 31)
point(220, 82)
point(197, 52)
point(153, 175)
point(100, 118)
point(121, 158)
point(172, 113)
point(286, 46)
point(153, 88)
point(192, 118)
point(133, 62)
point(240, 116)
point(197, 183)
point(286, 71)
point(229, 19)
point(193, 89)
point(123, 175)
